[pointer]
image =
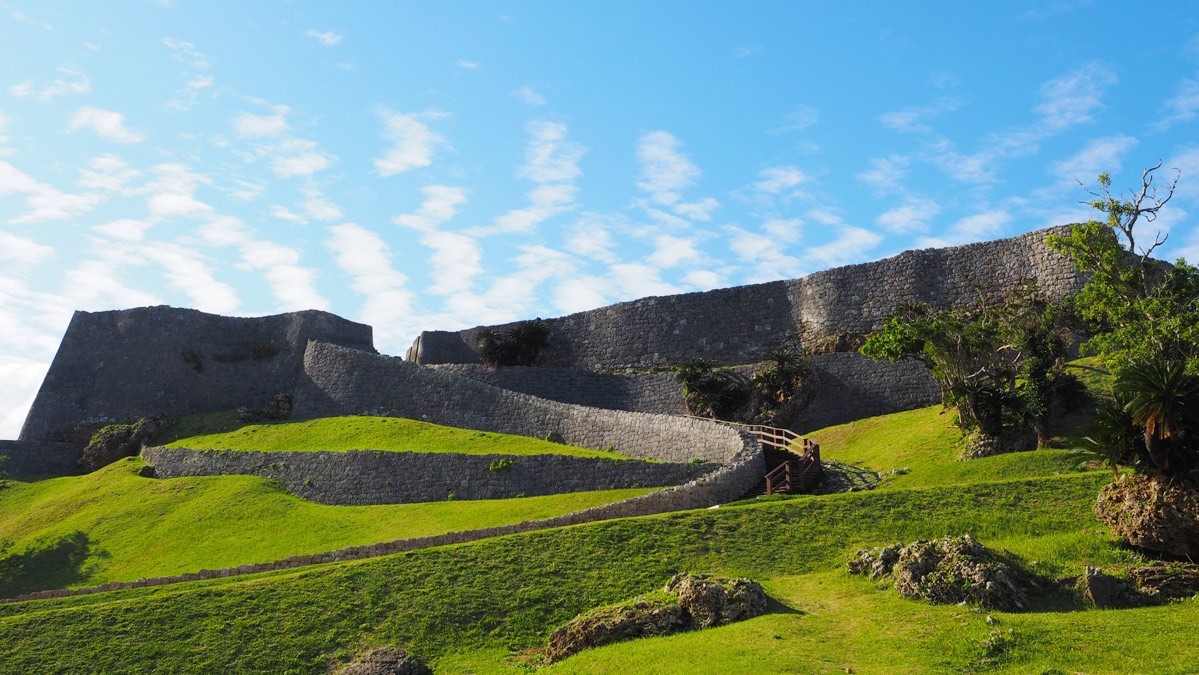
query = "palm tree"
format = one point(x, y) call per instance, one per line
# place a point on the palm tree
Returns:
point(1162, 398)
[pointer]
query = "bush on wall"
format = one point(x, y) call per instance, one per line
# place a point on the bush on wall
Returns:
point(518, 346)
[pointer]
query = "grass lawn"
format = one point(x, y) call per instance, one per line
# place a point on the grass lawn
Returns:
point(113, 525)
point(368, 433)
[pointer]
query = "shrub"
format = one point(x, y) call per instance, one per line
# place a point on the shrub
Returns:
point(116, 441)
point(710, 390)
point(518, 346)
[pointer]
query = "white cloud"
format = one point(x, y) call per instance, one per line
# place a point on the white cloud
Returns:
point(673, 251)
point(590, 238)
point(776, 179)
point(189, 93)
point(466, 64)
point(412, 143)
point(21, 378)
point(1183, 106)
point(665, 172)
point(1099, 155)
point(552, 163)
point(125, 229)
point(187, 272)
point(1072, 99)
point(530, 96)
point(916, 119)
point(913, 215)
point(366, 258)
point(886, 174)
point(293, 286)
point(249, 124)
point(440, 205)
point(106, 173)
point(979, 227)
point(43, 201)
point(280, 212)
point(698, 210)
point(171, 194)
point(186, 52)
point(456, 260)
point(74, 81)
point(579, 294)
point(15, 250)
point(318, 207)
point(18, 15)
point(851, 244)
point(704, 280)
point(765, 250)
point(327, 37)
point(106, 124)
point(635, 280)
point(298, 157)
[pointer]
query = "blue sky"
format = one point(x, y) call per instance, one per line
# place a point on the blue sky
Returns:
point(441, 165)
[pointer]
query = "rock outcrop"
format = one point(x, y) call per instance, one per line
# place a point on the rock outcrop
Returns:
point(690, 602)
point(1152, 513)
point(385, 661)
point(951, 571)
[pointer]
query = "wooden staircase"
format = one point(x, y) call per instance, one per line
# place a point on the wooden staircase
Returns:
point(792, 461)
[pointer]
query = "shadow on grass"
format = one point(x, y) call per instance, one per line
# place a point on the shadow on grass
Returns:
point(775, 606)
point(44, 565)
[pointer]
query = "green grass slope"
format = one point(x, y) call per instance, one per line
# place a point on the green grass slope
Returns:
point(113, 525)
point(370, 433)
point(922, 445)
point(476, 602)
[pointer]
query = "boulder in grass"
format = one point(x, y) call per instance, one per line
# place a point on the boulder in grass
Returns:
point(1152, 513)
point(952, 570)
point(385, 661)
point(689, 602)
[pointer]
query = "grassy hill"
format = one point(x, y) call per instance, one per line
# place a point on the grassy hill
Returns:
point(475, 608)
point(362, 433)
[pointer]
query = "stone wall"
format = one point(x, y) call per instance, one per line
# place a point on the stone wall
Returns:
point(40, 458)
point(162, 360)
point(649, 392)
point(344, 381)
point(738, 325)
point(362, 478)
point(851, 387)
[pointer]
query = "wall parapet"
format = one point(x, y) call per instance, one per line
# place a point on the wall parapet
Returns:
point(738, 325)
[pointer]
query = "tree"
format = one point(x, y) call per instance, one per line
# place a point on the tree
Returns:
point(1139, 309)
point(999, 365)
point(518, 346)
point(1162, 399)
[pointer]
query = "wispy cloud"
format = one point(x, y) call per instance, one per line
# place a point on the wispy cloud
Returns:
point(22, 17)
point(797, 120)
point(916, 119)
point(1073, 99)
point(326, 37)
point(73, 81)
point(665, 171)
point(412, 142)
point(366, 258)
point(1099, 155)
point(552, 163)
point(886, 174)
point(196, 78)
point(778, 179)
point(44, 202)
point(978, 227)
point(530, 96)
point(913, 215)
point(466, 64)
point(107, 124)
point(1183, 106)
point(251, 125)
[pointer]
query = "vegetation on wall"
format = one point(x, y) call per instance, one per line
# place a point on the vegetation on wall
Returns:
point(517, 346)
point(999, 366)
point(782, 386)
point(712, 390)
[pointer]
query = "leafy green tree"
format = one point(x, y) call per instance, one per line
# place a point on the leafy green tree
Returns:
point(1139, 309)
point(997, 365)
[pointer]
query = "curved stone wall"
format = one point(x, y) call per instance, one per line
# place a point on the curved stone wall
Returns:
point(165, 360)
point(363, 478)
point(738, 325)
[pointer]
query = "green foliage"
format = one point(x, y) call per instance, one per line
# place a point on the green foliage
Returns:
point(518, 346)
point(998, 365)
point(339, 434)
point(784, 386)
point(711, 390)
point(114, 441)
point(1139, 309)
point(1162, 399)
point(502, 465)
point(194, 359)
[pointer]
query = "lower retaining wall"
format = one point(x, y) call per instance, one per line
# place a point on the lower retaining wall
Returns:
point(38, 458)
point(363, 478)
point(727, 483)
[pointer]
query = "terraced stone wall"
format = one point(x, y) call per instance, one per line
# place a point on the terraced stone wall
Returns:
point(34, 458)
point(738, 325)
point(362, 478)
